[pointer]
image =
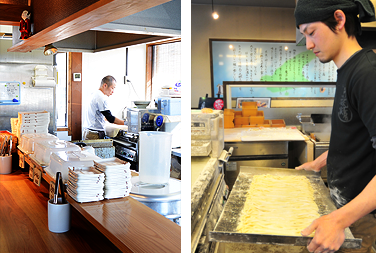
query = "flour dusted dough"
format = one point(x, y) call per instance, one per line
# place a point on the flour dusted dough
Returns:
point(278, 205)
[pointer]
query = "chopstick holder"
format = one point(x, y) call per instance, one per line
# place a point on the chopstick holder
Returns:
point(59, 184)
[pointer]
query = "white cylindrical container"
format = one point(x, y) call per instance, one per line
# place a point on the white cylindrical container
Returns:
point(6, 164)
point(155, 157)
point(58, 216)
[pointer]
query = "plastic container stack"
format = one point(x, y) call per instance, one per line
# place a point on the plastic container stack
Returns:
point(28, 141)
point(32, 122)
point(62, 160)
point(44, 149)
point(207, 131)
point(85, 184)
point(118, 176)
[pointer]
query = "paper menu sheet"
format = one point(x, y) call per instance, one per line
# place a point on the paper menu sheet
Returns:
point(9, 92)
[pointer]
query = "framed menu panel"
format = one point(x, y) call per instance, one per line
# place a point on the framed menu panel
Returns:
point(274, 94)
point(265, 61)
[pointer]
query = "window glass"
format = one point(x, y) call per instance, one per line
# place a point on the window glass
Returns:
point(166, 67)
point(61, 89)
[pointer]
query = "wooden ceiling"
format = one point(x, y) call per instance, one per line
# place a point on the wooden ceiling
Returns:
point(96, 14)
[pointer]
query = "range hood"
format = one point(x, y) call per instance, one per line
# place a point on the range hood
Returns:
point(103, 25)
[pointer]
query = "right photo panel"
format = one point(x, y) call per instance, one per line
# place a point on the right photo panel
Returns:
point(283, 129)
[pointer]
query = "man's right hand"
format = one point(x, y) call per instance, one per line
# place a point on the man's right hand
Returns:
point(315, 165)
point(309, 166)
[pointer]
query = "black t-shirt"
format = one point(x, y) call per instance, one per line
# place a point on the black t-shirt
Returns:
point(351, 159)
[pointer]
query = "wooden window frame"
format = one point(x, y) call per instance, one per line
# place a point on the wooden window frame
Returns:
point(149, 64)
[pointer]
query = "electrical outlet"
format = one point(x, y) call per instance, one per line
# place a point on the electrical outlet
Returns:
point(126, 80)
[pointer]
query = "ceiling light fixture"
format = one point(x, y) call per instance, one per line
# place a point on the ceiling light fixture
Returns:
point(214, 13)
point(50, 50)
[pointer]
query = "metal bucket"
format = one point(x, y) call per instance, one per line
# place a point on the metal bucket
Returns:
point(165, 199)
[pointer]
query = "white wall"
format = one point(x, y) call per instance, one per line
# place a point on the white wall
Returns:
point(235, 22)
point(95, 66)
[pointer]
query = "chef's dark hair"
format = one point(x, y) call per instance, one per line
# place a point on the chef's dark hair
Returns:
point(109, 80)
point(352, 25)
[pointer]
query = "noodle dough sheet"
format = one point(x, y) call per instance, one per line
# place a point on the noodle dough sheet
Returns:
point(281, 205)
point(272, 206)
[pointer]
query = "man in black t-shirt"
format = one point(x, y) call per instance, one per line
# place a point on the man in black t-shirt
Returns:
point(330, 27)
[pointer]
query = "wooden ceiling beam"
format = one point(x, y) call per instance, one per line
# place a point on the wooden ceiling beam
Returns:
point(97, 14)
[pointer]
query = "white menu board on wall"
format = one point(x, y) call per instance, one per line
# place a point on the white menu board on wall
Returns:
point(10, 93)
point(266, 62)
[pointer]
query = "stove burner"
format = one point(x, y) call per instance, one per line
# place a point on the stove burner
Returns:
point(126, 148)
point(127, 137)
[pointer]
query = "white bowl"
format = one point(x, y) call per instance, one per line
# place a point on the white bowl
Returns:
point(141, 104)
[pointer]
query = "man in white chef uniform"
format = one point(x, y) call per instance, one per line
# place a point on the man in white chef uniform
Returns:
point(98, 111)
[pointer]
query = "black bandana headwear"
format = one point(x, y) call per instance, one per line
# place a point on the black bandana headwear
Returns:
point(308, 11)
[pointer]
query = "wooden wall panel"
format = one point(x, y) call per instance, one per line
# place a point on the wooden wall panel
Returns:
point(47, 13)
point(149, 71)
point(22, 2)
point(75, 97)
point(11, 13)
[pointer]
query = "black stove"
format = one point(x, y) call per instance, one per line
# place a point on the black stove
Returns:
point(126, 148)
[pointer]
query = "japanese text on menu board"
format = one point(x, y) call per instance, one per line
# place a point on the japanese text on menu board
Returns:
point(266, 62)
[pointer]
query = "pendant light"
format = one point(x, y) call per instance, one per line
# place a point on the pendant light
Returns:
point(214, 13)
point(50, 50)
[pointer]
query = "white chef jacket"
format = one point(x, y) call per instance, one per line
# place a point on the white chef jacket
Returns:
point(98, 103)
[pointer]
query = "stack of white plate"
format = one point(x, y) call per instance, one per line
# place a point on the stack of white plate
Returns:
point(117, 182)
point(85, 184)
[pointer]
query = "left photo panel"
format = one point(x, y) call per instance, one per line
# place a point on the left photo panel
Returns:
point(90, 126)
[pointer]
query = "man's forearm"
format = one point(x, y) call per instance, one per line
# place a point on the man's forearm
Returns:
point(118, 121)
point(360, 206)
point(320, 161)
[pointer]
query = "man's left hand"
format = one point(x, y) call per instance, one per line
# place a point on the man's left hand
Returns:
point(329, 235)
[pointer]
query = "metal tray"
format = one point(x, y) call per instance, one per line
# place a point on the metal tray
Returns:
point(225, 230)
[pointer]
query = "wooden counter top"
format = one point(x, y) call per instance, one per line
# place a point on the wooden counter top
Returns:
point(24, 221)
point(131, 226)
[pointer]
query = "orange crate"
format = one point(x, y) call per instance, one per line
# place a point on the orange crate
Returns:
point(14, 139)
point(238, 113)
point(278, 123)
point(246, 112)
point(229, 112)
point(241, 121)
point(229, 124)
point(258, 119)
point(229, 120)
point(267, 123)
point(249, 105)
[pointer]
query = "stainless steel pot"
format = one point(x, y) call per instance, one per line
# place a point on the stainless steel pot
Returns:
point(162, 198)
